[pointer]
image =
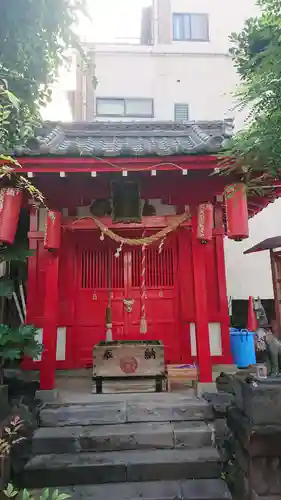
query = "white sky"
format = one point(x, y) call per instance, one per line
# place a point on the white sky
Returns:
point(111, 21)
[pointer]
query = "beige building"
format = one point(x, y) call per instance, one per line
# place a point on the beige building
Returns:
point(181, 69)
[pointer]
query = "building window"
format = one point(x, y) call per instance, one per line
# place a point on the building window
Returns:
point(125, 107)
point(181, 112)
point(188, 27)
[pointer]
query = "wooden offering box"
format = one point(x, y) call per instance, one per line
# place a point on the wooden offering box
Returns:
point(128, 366)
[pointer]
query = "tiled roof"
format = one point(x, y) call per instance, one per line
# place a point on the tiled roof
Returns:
point(109, 139)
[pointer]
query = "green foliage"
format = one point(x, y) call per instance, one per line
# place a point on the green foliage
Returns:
point(34, 37)
point(14, 253)
point(17, 342)
point(47, 494)
point(7, 287)
point(11, 436)
point(256, 54)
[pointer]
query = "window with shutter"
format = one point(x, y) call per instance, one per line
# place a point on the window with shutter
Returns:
point(181, 112)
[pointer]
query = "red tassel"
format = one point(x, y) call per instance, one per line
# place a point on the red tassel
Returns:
point(10, 205)
point(205, 222)
point(53, 230)
point(237, 212)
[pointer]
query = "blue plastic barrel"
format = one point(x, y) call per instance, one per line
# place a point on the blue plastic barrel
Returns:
point(242, 347)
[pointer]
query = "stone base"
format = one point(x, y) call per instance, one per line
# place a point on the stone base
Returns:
point(50, 396)
point(202, 387)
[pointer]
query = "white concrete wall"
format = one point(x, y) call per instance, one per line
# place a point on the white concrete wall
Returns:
point(203, 81)
point(200, 74)
point(251, 274)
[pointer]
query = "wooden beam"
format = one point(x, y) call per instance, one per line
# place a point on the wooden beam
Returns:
point(75, 224)
point(88, 164)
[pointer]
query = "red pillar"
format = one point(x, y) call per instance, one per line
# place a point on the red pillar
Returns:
point(201, 310)
point(50, 323)
point(219, 232)
point(32, 266)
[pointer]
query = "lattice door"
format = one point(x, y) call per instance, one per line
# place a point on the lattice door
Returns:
point(99, 274)
point(161, 297)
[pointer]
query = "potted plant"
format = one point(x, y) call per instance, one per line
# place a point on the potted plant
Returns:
point(14, 344)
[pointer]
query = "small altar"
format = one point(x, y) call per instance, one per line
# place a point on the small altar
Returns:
point(128, 366)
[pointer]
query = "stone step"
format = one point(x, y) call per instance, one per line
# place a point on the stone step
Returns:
point(131, 410)
point(202, 489)
point(47, 440)
point(115, 467)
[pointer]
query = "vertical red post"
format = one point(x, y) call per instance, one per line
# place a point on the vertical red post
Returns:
point(201, 309)
point(50, 323)
point(32, 266)
point(223, 302)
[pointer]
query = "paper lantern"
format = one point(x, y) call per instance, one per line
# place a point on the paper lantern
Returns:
point(52, 230)
point(10, 205)
point(205, 222)
point(236, 212)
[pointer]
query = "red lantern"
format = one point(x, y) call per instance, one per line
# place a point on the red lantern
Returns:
point(236, 212)
point(52, 230)
point(10, 205)
point(205, 222)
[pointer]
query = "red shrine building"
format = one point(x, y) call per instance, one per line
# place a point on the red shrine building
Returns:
point(136, 218)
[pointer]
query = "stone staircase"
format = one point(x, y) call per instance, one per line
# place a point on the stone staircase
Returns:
point(149, 447)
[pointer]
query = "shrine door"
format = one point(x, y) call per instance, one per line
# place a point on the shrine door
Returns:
point(102, 278)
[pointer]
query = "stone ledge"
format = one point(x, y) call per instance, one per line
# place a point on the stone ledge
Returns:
point(119, 437)
point(257, 440)
point(202, 489)
point(261, 403)
point(147, 465)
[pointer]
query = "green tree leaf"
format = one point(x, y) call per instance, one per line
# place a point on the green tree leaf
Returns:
point(6, 287)
point(256, 53)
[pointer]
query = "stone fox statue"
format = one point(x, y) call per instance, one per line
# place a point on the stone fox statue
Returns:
point(266, 341)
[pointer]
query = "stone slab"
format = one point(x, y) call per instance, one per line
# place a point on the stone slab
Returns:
point(95, 468)
point(91, 414)
point(49, 440)
point(179, 410)
point(161, 490)
point(127, 437)
point(172, 464)
point(193, 434)
point(102, 438)
point(203, 489)
point(83, 468)
point(72, 439)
